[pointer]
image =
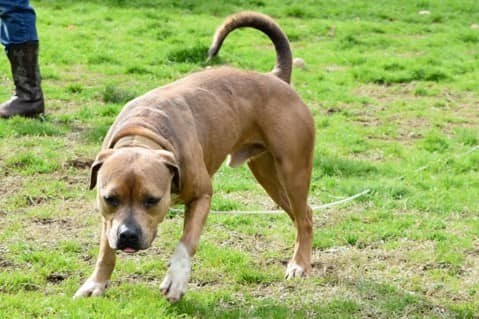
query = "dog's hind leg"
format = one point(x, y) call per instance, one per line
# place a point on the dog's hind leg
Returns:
point(296, 183)
point(264, 170)
point(289, 189)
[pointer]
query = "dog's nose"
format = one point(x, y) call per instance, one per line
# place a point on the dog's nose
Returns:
point(128, 237)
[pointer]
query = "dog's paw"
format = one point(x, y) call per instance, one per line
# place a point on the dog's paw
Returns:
point(176, 280)
point(91, 288)
point(294, 270)
point(173, 288)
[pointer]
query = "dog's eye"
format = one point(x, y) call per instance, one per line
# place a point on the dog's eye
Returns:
point(151, 201)
point(112, 201)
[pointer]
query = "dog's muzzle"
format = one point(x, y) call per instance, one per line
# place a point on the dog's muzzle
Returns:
point(129, 238)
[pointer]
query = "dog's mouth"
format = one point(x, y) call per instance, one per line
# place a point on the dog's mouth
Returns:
point(129, 250)
point(128, 247)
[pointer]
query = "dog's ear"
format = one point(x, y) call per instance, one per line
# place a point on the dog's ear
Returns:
point(95, 167)
point(170, 161)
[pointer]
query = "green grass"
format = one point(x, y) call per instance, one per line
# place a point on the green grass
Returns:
point(395, 98)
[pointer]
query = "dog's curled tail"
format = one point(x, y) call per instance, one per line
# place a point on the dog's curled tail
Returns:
point(266, 25)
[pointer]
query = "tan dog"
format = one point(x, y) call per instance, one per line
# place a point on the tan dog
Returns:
point(165, 146)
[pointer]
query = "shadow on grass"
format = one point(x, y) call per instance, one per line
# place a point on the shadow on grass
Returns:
point(354, 299)
point(373, 299)
point(221, 306)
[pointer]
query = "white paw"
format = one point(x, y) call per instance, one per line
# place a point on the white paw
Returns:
point(176, 280)
point(294, 270)
point(91, 288)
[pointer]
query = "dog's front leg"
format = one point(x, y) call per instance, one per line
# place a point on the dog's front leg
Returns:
point(176, 279)
point(98, 281)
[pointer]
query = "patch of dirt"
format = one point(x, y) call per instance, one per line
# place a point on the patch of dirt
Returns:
point(10, 186)
point(256, 243)
point(335, 215)
point(78, 163)
point(144, 278)
point(252, 199)
point(4, 262)
point(49, 221)
point(457, 110)
point(56, 278)
point(77, 222)
point(399, 266)
point(36, 200)
point(333, 110)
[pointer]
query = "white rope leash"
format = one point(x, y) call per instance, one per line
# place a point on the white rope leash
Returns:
point(278, 211)
point(341, 201)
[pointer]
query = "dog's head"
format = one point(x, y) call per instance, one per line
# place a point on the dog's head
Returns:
point(134, 186)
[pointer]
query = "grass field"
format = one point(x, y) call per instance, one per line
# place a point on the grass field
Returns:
point(394, 89)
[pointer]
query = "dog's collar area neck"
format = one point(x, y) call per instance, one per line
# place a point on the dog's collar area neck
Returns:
point(137, 141)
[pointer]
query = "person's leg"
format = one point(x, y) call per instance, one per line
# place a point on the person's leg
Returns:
point(17, 22)
point(19, 36)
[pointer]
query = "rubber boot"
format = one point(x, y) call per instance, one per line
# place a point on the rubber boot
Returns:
point(28, 98)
